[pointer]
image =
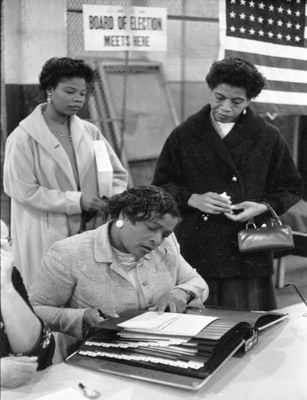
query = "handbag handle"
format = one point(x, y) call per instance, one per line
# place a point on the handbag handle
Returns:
point(250, 221)
point(275, 216)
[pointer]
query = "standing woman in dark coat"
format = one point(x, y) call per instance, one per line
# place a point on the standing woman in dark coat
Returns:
point(222, 165)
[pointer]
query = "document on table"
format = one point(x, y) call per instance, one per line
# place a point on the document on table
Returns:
point(168, 323)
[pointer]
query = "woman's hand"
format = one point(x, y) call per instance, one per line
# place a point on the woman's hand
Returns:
point(91, 203)
point(6, 263)
point(93, 316)
point(174, 300)
point(15, 371)
point(210, 203)
point(249, 209)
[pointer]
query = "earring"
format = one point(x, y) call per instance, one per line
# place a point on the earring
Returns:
point(244, 111)
point(119, 223)
point(49, 98)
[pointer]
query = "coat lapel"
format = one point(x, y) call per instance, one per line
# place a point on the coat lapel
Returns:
point(208, 134)
point(240, 132)
point(35, 125)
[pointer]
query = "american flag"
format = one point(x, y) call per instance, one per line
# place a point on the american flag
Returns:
point(273, 36)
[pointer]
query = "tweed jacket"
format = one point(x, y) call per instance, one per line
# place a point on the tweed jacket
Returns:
point(252, 163)
point(45, 198)
point(82, 272)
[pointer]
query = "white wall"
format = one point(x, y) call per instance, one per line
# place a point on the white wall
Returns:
point(34, 31)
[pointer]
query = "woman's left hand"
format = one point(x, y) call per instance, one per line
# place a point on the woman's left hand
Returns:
point(174, 300)
point(248, 209)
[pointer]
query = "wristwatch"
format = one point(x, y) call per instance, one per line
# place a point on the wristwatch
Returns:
point(191, 295)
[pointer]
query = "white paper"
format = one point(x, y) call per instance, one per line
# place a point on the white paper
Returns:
point(168, 323)
point(104, 169)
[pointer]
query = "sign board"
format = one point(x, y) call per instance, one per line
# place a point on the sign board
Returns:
point(118, 28)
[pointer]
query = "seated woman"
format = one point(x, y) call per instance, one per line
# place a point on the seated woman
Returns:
point(131, 262)
point(26, 342)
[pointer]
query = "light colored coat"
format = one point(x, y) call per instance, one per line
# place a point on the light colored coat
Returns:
point(38, 177)
point(82, 272)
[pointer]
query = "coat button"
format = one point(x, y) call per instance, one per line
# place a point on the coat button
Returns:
point(234, 179)
point(145, 283)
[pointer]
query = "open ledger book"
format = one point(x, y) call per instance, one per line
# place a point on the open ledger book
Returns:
point(181, 350)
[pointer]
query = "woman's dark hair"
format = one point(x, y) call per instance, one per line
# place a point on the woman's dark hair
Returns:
point(237, 72)
point(143, 203)
point(56, 69)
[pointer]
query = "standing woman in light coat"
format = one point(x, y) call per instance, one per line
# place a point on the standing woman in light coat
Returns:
point(49, 168)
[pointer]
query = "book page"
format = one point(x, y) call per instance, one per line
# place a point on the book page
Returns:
point(168, 323)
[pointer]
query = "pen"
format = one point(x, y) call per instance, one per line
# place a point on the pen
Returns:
point(102, 314)
point(91, 394)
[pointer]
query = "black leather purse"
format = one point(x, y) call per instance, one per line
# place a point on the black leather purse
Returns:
point(274, 236)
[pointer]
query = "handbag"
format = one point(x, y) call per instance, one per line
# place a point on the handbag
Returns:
point(276, 236)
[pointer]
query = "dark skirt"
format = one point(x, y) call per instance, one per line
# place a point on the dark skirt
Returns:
point(257, 294)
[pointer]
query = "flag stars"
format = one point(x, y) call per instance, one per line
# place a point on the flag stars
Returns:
point(250, 19)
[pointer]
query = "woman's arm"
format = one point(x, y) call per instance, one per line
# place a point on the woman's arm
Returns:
point(169, 171)
point(51, 292)
point(22, 326)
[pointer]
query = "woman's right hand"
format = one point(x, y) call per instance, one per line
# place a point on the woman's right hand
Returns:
point(92, 317)
point(15, 371)
point(210, 203)
point(91, 203)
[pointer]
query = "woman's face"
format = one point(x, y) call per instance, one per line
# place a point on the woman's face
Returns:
point(69, 96)
point(227, 102)
point(142, 237)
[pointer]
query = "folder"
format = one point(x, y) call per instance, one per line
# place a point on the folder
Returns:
point(181, 361)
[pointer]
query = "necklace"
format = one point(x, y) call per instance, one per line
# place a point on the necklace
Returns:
point(59, 129)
